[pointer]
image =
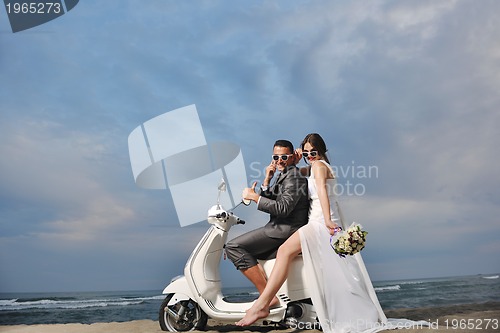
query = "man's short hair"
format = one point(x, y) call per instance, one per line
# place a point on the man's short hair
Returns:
point(284, 143)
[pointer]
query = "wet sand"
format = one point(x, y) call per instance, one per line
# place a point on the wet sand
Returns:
point(484, 318)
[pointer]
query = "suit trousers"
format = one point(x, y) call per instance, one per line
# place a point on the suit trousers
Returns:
point(245, 249)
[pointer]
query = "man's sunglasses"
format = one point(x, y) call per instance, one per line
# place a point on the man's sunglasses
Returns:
point(283, 157)
point(312, 153)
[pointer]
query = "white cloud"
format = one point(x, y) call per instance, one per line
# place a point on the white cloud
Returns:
point(60, 171)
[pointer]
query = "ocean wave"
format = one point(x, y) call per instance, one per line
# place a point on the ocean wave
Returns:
point(41, 299)
point(54, 303)
point(412, 282)
point(148, 298)
point(388, 288)
point(7, 302)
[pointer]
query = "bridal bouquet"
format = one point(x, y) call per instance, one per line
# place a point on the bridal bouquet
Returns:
point(350, 241)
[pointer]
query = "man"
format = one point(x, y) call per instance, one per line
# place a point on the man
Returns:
point(287, 203)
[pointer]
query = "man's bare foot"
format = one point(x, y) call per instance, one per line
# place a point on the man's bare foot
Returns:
point(253, 315)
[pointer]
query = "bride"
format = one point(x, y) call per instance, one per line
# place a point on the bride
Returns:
point(340, 288)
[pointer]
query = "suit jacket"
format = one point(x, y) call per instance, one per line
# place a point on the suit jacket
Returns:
point(287, 202)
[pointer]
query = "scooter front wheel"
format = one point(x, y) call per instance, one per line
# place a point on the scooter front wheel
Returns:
point(182, 316)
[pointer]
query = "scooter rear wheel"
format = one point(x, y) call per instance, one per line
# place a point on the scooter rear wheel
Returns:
point(182, 316)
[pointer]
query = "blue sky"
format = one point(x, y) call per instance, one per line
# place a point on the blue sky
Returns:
point(407, 88)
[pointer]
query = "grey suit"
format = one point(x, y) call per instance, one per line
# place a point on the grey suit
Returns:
point(287, 203)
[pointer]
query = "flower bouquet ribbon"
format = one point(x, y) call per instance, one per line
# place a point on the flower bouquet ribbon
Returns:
point(350, 241)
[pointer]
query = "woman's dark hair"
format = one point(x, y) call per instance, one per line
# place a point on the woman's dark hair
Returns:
point(318, 144)
point(284, 143)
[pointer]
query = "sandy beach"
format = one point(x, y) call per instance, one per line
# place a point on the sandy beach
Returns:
point(462, 318)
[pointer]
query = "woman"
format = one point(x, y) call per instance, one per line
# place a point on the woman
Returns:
point(340, 288)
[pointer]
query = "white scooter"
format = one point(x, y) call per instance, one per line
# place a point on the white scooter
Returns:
point(196, 296)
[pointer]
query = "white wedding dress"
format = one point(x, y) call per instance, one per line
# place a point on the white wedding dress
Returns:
point(340, 288)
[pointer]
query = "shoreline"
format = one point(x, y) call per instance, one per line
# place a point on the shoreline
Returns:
point(474, 317)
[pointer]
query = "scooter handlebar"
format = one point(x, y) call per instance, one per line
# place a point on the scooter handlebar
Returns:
point(223, 217)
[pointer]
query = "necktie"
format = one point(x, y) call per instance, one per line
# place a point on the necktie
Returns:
point(279, 178)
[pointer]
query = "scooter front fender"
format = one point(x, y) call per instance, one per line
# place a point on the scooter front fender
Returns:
point(180, 288)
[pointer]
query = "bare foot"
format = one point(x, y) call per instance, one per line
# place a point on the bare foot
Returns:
point(253, 315)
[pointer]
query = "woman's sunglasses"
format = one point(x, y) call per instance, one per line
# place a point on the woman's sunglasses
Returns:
point(283, 157)
point(312, 153)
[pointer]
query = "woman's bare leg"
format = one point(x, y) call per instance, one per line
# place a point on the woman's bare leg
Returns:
point(286, 252)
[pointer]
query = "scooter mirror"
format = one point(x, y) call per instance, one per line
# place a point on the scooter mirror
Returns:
point(246, 202)
point(222, 186)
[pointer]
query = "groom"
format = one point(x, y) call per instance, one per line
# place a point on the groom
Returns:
point(287, 203)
